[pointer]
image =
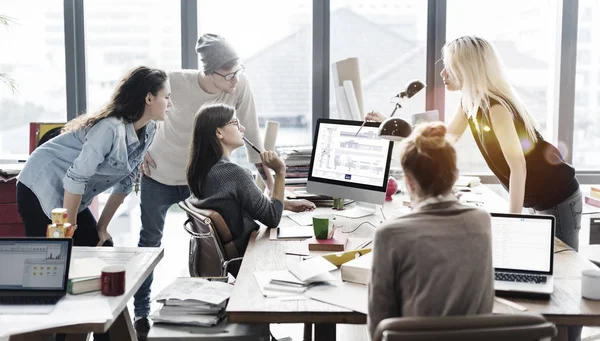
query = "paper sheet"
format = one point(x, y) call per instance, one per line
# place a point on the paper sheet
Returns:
point(338, 293)
point(199, 289)
point(263, 278)
point(305, 270)
point(88, 308)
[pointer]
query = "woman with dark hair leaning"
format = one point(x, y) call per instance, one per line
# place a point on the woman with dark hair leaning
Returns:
point(95, 152)
point(219, 184)
point(436, 260)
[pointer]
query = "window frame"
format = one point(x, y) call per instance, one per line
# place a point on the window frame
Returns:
point(561, 126)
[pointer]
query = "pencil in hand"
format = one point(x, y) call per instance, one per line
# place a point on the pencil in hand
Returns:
point(251, 144)
point(362, 125)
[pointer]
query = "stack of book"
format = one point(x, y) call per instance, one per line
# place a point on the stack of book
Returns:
point(193, 301)
point(297, 163)
point(84, 275)
point(358, 270)
point(594, 197)
point(298, 278)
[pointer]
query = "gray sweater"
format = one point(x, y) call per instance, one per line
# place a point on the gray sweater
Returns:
point(230, 190)
point(435, 261)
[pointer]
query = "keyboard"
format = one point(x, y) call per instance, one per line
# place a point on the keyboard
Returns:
point(302, 218)
point(523, 278)
point(32, 300)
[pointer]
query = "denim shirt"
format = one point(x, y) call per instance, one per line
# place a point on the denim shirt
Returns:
point(87, 162)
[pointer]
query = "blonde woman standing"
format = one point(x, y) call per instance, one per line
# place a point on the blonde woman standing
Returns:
point(531, 169)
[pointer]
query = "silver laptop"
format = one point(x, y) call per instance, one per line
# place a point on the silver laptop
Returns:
point(34, 274)
point(523, 254)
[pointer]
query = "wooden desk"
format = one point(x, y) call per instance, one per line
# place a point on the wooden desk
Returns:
point(247, 305)
point(139, 262)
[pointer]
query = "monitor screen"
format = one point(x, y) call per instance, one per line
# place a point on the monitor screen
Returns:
point(30, 264)
point(344, 158)
point(521, 242)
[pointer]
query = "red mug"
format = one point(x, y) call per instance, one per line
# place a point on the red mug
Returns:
point(113, 280)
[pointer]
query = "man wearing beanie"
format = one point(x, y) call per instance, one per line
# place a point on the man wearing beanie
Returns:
point(164, 183)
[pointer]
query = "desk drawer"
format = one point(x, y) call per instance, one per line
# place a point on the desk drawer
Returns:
point(9, 214)
point(12, 230)
point(8, 192)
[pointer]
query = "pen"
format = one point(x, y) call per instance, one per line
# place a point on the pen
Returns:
point(251, 145)
point(362, 125)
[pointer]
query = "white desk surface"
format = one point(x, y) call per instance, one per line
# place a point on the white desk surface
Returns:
point(97, 313)
point(247, 305)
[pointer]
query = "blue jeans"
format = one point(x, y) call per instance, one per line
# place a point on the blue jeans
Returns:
point(568, 219)
point(156, 199)
point(568, 224)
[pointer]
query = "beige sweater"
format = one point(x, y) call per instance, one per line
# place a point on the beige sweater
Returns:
point(435, 261)
point(171, 143)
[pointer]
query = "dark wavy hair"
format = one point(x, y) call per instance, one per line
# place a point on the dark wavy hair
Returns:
point(206, 149)
point(128, 102)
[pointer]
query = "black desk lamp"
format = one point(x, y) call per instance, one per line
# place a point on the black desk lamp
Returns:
point(396, 129)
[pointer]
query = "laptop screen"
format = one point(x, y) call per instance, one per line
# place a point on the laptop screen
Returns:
point(522, 242)
point(34, 264)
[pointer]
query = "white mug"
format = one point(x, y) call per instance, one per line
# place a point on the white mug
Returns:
point(590, 284)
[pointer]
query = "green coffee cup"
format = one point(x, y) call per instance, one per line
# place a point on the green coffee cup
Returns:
point(323, 226)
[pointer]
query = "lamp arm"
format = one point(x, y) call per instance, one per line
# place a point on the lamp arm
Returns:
point(398, 105)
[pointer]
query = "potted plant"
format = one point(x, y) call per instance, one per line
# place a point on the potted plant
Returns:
point(5, 78)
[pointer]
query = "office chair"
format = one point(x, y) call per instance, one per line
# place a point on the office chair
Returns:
point(212, 252)
point(522, 327)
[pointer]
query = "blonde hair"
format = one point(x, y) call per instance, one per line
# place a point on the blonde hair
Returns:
point(474, 63)
point(428, 156)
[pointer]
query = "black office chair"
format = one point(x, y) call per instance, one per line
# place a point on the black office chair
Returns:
point(521, 327)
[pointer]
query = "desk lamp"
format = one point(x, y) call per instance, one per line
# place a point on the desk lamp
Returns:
point(396, 129)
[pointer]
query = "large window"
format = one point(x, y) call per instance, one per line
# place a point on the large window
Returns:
point(276, 50)
point(121, 35)
point(33, 55)
point(586, 140)
point(389, 39)
point(521, 31)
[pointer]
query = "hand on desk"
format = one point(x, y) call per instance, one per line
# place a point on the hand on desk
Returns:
point(298, 205)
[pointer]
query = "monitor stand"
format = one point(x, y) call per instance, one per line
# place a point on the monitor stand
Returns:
point(361, 209)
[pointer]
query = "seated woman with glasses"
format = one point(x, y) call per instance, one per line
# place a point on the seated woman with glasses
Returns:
point(436, 260)
point(219, 184)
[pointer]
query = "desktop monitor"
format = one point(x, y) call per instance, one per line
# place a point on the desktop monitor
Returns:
point(348, 165)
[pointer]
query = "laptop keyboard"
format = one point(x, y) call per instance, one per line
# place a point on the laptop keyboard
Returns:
point(523, 278)
point(29, 300)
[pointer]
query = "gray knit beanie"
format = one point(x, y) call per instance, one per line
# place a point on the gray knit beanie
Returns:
point(215, 52)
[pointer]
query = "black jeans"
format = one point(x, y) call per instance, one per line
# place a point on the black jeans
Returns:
point(36, 222)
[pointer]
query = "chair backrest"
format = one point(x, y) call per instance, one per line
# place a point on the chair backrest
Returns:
point(211, 242)
point(521, 327)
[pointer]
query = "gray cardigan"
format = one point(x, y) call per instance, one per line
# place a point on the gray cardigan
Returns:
point(230, 190)
point(435, 261)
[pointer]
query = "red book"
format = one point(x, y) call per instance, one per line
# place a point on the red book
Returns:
point(337, 243)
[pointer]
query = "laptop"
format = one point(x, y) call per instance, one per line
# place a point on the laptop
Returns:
point(33, 273)
point(523, 254)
